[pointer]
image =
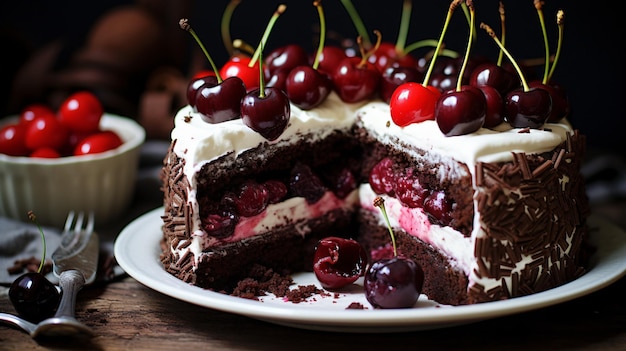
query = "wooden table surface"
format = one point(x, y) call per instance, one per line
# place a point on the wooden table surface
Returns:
point(125, 315)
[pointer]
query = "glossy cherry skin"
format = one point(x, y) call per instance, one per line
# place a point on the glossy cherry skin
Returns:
point(267, 115)
point(338, 262)
point(306, 87)
point(494, 115)
point(413, 103)
point(355, 80)
point(98, 142)
point(560, 103)
point(393, 283)
point(329, 59)
point(33, 111)
point(396, 75)
point(285, 58)
point(460, 112)
point(34, 297)
point(387, 55)
point(81, 112)
point(220, 102)
point(46, 131)
point(13, 140)
point(237, 66)
point(195, 84)
point(528, 109)
point(495, 76)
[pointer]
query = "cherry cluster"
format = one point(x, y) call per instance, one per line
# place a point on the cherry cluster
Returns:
point(219, 218)
point(73, 130)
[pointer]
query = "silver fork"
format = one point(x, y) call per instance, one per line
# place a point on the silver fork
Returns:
point(71, 281)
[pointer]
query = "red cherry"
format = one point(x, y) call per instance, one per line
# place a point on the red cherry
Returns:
point(413, 103)
point(387, 55)
point(99, 142)
point(285, 58)
point(267, 114)
point(33, 111)
point(45, 152)
point(395, 75)
point(196, 84)
point(46, 131)
point(81, 112)
point(560, 104)
point(338, 262)
point(330, 58)
point(356, 80)
point(13, 140)
point(237, 66)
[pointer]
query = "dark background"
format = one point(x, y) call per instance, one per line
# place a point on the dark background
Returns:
point(591, 67)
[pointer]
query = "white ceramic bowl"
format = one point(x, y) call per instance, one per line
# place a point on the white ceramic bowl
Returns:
point(103, 183)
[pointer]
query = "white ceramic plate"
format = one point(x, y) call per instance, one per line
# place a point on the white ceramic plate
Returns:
point(137, 251)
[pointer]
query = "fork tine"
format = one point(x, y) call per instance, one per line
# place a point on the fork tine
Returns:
point(78, 226)
point(90, 222)
point(69, 221)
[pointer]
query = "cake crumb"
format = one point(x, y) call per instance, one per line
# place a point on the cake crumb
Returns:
point(356, 306)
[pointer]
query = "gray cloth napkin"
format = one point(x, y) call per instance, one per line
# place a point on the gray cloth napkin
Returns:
point(21, 241)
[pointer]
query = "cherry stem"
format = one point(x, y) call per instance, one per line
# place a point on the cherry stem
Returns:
point(560, 17)
point(467, 14)
point(33, 218)
point(225, 25)
point(184, 25)
point(405, 20)
point(322, 40)
point(472, 25)
point(453, 6)
point(366, 54)
point(380, 203)
point(261, 75)
point(492, 34)
point(503, 28)
point(243, 46)
point(430, 43)
point(358, 22)
point(539, 7)
point(279, 11)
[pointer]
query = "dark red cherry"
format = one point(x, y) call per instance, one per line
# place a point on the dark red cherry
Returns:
point(306, 87)
point(252, 198)
point(560, 103)
point(460, 112)
point(528, 109)
point(267, 114)
point(276, 190)
point(34, 297)
point(396, 75)
point(329, 59)
point(381, 177)
point(220, 102)
point(195, 84)
point(494, 115)
point(387, 55)
point(338, 262)
point(285, 58)
point(393, 283)
point(438, 206)
point(304, 183)
point(409, 191)
point(443, 82)
point(495, 76)
point(355, 80)
point(221, 222)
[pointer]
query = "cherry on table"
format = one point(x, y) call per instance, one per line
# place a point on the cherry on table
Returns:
point(34, 297)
